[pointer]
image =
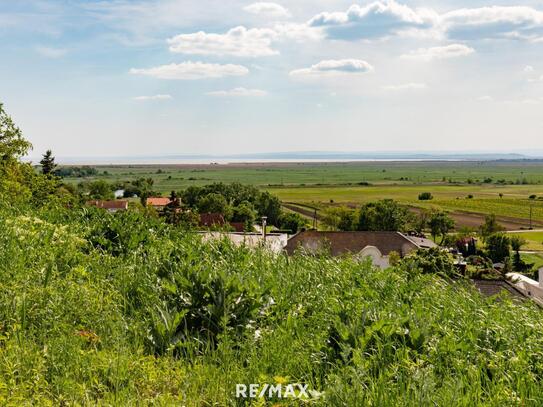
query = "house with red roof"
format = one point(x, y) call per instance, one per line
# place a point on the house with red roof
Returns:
point(111, 206)
point(158, 203)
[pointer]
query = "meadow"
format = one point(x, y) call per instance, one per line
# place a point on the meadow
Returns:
point(534, 239)
point(168, 177)
point(101, 309)
point(499, 187)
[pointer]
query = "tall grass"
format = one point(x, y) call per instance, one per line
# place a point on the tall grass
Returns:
point(123, 310)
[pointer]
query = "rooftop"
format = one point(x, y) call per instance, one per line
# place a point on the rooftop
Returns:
point(116, 204)
point(157, 201)
point(354, 242)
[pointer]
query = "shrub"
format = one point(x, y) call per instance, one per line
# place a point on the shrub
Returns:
point(425, 196)
point(431, 261)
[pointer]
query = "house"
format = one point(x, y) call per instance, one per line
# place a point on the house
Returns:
point(158, 203)
point(237, 226)
point(490, 288)
point(212, 220)
point(529, 288)
point(111, 206)
point(376, 245)
point(275, 242)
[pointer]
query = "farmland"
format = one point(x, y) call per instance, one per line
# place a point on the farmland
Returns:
point(168, 177)
point(501, 187)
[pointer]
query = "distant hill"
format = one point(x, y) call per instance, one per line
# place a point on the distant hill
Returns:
point(300, 156)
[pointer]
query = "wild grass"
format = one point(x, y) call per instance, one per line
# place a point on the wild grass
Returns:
point(123, 310)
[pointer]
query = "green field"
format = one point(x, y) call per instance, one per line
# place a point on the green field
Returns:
point(289, 174)
point(505, 192)
point(536, 259)
point(534, 240)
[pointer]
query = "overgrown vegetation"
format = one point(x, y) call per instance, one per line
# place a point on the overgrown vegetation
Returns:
point(126, 309)
point(123, 309)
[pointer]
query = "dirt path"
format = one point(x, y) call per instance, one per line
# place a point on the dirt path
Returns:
point(474, 220)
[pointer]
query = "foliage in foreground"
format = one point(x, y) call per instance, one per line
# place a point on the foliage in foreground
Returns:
point(96, 308)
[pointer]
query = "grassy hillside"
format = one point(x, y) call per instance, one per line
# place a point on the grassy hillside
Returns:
point(123, 310)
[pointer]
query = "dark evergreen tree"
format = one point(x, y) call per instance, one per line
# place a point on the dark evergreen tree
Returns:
point(48, 164)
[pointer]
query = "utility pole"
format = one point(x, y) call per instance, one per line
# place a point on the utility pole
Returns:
point(531, 208)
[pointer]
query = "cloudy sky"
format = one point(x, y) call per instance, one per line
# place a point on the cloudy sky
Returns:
point(154, 77)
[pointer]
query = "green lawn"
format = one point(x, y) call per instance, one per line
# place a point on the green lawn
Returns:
point(537, 259)
point(534, 240)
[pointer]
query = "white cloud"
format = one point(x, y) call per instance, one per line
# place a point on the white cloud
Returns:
point(485, 98)
point(298, 32)
point(238, 92)
point(527, 101)
point(406, 86)
point(528, 69)
point(267, 9)
point(154, 97)
point(517, 22)
point(385, 18)
point(335, 67)
point(540, 79)
point(238, 41)
point(447, 51)
point(49, 52)
point(376, 20)
point(192, 70)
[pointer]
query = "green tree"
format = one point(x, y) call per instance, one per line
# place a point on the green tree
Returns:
point(18, 181)
point(431, 261)
point(425, 196)
point(440, 225)
point(244, 213)
point(48, 164)
point(516, 244)
point(421, 221)
point(214, 203)
point(490, 226)
point(100, 189)
point(339, 218)
point(12, 144)
point(191, 196)
point(384, 215)
point(269, 205)
point(498, 247)
point(292, 221)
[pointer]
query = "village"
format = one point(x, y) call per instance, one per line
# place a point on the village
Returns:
point(382, 248)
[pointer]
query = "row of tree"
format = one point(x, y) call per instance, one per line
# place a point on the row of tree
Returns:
point(387, 215)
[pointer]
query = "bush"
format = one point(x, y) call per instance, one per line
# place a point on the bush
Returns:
point(425, 196)
point(292, 221)
point(431, 261)
point(498, 247)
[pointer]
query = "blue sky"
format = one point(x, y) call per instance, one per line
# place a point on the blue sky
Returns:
point(156, 77)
